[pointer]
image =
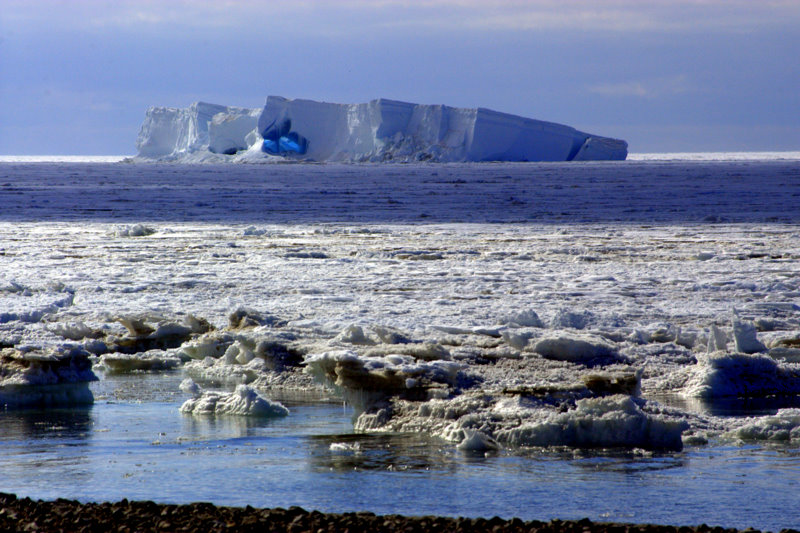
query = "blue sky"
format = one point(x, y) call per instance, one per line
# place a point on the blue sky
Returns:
point(76, 77)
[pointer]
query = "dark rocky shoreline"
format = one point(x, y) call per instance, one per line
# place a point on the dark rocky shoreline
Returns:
point(24, 514)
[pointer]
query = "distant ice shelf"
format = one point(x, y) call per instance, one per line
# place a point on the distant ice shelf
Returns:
point(377, 131)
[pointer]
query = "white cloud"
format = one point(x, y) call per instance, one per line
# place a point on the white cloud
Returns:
point(652, 88)
point(630, 88)
point(308, 17)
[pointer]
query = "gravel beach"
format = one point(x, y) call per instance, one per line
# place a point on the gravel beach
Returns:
point(24, 514)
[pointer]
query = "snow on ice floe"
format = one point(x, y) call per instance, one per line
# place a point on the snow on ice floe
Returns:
point(784, 426)
point(31, 304)
point(380, 130)
point(244, 401)
point(582, 348)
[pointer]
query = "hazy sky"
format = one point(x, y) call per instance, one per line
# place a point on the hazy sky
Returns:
point(666, 75)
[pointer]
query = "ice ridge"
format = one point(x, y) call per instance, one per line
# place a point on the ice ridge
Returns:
point(377, 131)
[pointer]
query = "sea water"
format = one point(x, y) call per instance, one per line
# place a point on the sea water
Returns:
point(325, 246)
point(133, 443)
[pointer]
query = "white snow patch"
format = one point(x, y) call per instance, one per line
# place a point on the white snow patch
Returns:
point(581, 348)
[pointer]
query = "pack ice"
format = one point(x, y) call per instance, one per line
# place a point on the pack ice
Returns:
point(376, 131)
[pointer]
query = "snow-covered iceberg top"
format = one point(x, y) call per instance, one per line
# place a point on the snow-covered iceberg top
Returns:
point(376, 131)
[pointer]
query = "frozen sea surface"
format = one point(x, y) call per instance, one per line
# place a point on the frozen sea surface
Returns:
point(650, 254)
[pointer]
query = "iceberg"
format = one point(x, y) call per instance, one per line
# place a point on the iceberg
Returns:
point(377, 131)
point(170, 133)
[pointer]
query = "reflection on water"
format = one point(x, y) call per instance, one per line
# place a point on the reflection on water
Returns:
point(729, 406)
point(630, 463)
point(69, 426)
point(222, 427)
point(53, 443)
point(407, 452)
point(138, 387)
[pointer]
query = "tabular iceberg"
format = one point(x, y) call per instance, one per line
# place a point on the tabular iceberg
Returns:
point(175, 134)
point(376, 131)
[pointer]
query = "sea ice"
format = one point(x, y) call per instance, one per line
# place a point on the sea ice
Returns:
point(745, 336)
point(37, 379)
point(190, 387)
point(526, 318)
point(136, 230)
point(784, 426)
point(211, 345)
point(580, 348)
point(476, 441)
point(151, 360)
point(620, 241)
point(148, 331)
point(244, 401)
point(721, 374)
point(365, 381)
point(614, 421)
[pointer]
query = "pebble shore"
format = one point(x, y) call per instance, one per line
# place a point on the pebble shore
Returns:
point(24, 514)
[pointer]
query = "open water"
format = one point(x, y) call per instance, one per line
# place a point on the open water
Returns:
point(135, 444)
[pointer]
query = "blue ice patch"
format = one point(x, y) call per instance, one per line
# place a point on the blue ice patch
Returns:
point(280, 140)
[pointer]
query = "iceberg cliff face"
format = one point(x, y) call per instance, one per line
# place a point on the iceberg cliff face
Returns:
point(380, 130)
point(170, 133)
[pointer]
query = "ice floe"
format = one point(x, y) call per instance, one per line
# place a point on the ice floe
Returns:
point(722, 374)
point(745, 336)
point(366, 381)
point(135, 230)
point(784, 426)
point(151, 360)
point(581, 348)
point(614, 421)
point(244, 401)
point(38, 379)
